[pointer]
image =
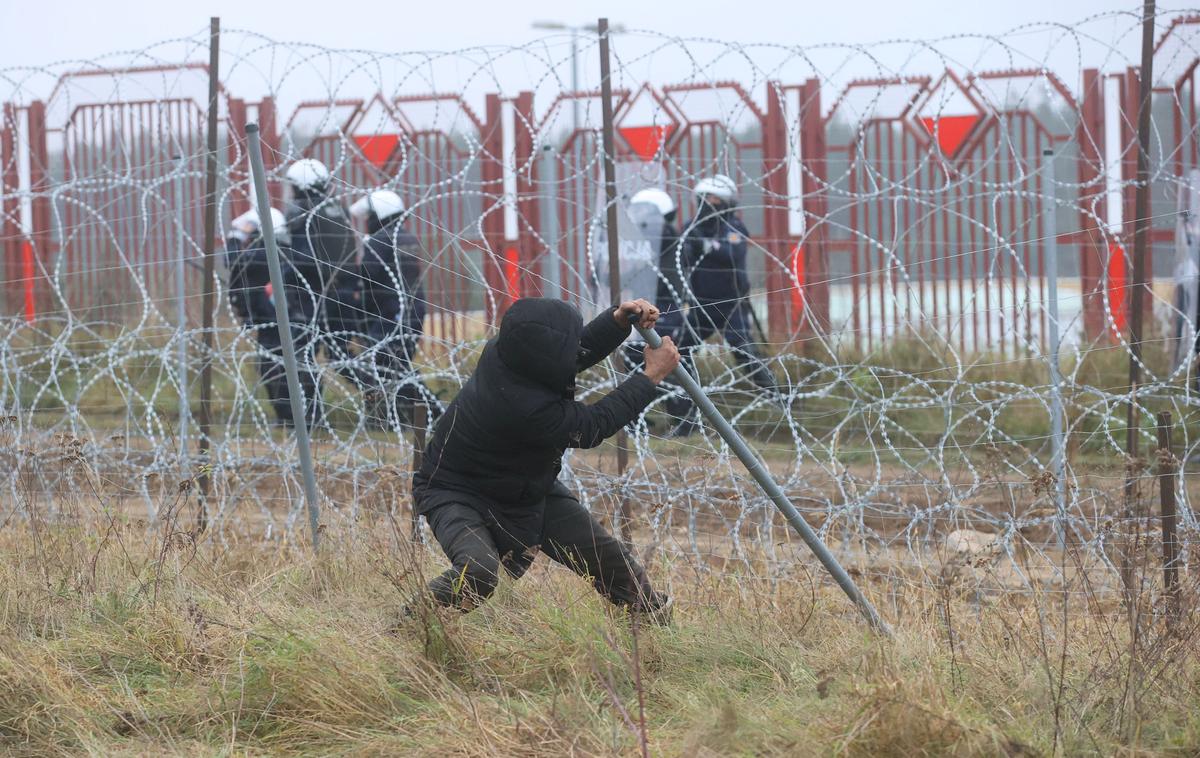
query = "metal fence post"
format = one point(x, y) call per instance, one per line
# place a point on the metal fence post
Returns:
point(1167, 466)
point(1141, 229)
point(614, 252)
point(266, 226)
point(1058, 461)
point(181, 315)
point(761, 475)
point(549, 230)
point(210, 242)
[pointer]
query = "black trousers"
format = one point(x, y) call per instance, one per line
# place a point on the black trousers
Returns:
point(478, 546)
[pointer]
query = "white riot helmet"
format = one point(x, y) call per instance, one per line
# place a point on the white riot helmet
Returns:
point(655, 197)
point(246, 226)
point(717, 185)
point(308, 175)
point(383, 203)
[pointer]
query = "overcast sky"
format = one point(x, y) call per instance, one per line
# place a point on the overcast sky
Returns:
point(41, 32)
point(821, 37)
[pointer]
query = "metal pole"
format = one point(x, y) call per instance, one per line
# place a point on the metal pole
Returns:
point(614, 252)
point(208, 305)
point(181, 315)
point(1058, 460)
point(420, 422)
point(761, 475)
point(266, 226)
point(549, 172)
point(575, 79)
point(1141, 225)
point(1170, 546)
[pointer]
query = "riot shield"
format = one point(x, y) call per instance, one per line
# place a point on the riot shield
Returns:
point(639, 228)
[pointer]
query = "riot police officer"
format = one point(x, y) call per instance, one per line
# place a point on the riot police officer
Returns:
point(393, 310)
point(653, 204)
point(250, 298)
point(324, 295)
point(714, 248)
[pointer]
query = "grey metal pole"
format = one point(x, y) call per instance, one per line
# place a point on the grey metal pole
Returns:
point(549, 174)
point(761, 475)
point(185, 410)
point(210, 242)
point(614, 250)
point(574, 79)
point(1141, 227)
point(267, 228)
point(1058, 459)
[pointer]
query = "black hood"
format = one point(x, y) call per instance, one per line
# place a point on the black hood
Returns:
point(539, 340)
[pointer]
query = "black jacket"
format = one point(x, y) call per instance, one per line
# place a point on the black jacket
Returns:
point(391, 272)
point(248, 279)
point(502, 439)
point(671, 293)
point(715, 249)
point(322, 242)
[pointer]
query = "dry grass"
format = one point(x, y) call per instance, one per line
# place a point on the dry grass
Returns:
point(125, 638)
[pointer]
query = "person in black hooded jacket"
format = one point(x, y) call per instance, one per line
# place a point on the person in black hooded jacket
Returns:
point(488, 484)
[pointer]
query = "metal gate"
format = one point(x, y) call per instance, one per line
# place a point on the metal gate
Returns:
point(937, 217)
point(130, 169)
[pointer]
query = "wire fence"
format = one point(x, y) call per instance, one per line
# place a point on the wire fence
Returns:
point(908, 205)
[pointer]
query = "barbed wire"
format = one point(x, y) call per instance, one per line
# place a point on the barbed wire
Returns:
point(896, 195)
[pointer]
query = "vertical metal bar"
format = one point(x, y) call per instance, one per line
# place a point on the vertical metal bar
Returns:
point(614, 261)
point(575, 80)
point(42, 232)
point(207, 304)
point(855, 244)
point(1170, 545)
point(420, 421)
point(181, 313)
point(1090, 137)
point(1020, 210)
point(958, 253)
point(1141, 226)
point(549, 231)
point(10, 231)
point(1058, 459)
point(266, 226)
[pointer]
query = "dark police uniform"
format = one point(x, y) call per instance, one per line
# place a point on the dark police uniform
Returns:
point(393, 312)
point(249, 278)
point(714, 249)
point(323, 289)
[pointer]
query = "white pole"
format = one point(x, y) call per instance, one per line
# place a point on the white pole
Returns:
point(550, 221)
point(1058, 460)
point(185, 411)
point(574, 79)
